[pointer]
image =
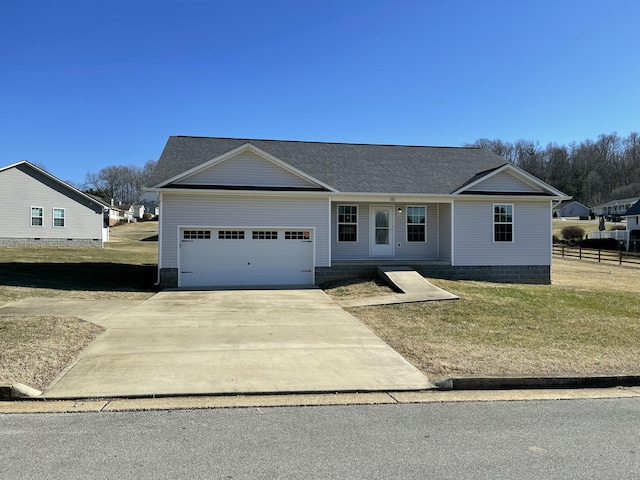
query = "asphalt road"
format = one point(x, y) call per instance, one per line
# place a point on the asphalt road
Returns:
point(585, 439)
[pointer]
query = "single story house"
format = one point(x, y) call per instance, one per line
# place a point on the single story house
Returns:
point(614, 208)
point(40, 209)
point(264, 212)
point(570, 208)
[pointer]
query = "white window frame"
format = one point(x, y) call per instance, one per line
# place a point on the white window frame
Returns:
point(63, 218)
point(493, 216)
point(338, 222)
point(41, 217)
point(406, 221)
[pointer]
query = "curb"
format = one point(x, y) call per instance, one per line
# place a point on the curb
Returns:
point(456, 382)
point(18, 391)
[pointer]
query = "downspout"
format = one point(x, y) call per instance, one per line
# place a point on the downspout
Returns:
point(159, 198)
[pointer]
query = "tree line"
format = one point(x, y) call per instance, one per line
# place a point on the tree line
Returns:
point(122, 183)
point(592, 172)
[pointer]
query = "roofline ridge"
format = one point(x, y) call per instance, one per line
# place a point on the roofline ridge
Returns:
point(465, 147)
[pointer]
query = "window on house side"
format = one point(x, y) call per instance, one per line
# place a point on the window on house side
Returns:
point(416, 224)
point(58, 217)
point(36, 216)
point(347, 223)
point(503, 223)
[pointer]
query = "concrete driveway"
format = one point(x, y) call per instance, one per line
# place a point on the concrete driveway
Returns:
point(229, 342)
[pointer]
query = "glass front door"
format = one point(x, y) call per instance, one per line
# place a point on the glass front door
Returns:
point(381, 220)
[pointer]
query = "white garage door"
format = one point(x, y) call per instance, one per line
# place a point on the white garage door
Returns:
point(230, 257)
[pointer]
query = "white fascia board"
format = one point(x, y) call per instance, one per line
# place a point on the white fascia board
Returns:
point(521, 175)
point(391, 197)
point(242, 193)
point(506, 197)
point(242, 148)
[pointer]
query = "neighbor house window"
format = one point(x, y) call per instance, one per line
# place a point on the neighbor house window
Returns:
point(347, 223)
point(503, 222)
point(36, 216)
point(58, 217)
point(416, 224)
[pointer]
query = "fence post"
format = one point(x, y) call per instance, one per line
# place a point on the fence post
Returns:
point(580, 250)
point(599, 255)
point(620, 253)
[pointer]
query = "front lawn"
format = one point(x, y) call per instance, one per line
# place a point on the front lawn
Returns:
point(587, 322)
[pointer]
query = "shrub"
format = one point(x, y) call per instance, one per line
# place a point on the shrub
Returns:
point(572, 232)
point(147, 216)
point(602, 244)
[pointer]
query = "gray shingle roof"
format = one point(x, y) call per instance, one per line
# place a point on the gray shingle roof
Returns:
point(345, 167)
point(634, 210)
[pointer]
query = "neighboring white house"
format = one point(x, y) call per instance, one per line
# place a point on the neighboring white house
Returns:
point(570, 208)
point(615, 207)
point(267, 212)
point(40, 209)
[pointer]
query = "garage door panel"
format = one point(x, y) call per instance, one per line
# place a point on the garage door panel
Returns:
point(221, 261)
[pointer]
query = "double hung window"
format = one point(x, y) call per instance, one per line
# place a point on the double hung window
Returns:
point(503, 222)
point(416, 224)
point(347, 223)
point(58, 217)
point(36, 216)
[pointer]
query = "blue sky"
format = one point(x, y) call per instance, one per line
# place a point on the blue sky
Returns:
point(88, 84)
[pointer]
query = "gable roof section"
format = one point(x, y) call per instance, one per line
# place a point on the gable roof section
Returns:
point(634, 210)
point(510, 180)
point(52, 181)
point(268, 172)
point(343, 167)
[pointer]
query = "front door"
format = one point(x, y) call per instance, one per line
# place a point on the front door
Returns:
point(381, 231)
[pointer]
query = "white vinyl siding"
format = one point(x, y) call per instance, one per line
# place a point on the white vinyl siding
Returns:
point(504, 182)
point(247, 169)
point(20, 191)
point(229, 211)
point(474, 244)
point(444, 231)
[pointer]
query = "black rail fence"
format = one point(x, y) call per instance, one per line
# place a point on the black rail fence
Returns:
point(620, 256)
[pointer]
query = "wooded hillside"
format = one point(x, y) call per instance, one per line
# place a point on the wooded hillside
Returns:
point(592, 172)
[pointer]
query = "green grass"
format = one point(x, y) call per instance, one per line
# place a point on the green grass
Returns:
point(516, 329)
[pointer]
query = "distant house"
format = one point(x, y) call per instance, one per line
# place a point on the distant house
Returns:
point(570, 208)
point(633, 227)
point(128, 212)
point(615, 208)
point(151, 208)
point(40, 209)
point(268, 212)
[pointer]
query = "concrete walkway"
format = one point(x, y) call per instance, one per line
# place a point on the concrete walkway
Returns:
point(224, 342)
point(414, 288)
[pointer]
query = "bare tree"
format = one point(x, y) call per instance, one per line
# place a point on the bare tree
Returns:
point(123, 184)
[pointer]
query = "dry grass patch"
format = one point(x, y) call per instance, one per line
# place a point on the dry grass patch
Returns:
point(363, 288)
point(587, 322)
point(34, 350)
